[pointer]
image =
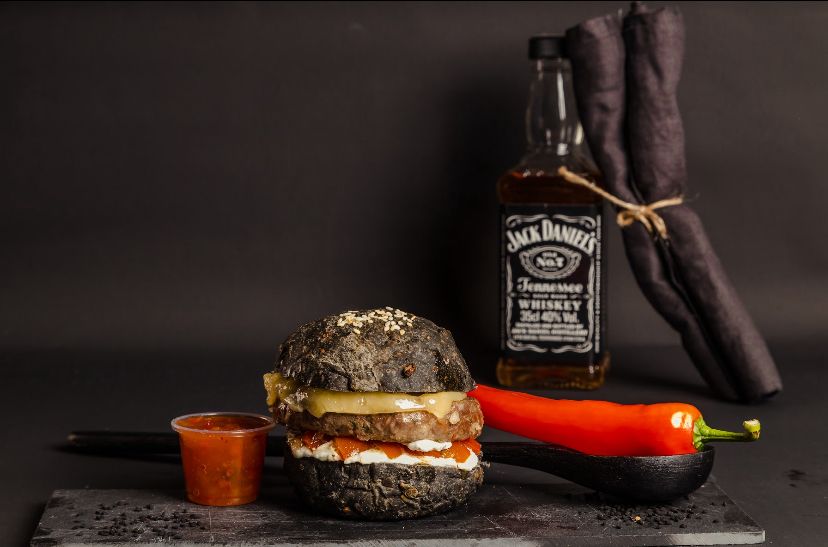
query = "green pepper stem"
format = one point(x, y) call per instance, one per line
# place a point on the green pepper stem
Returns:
point(703, 434)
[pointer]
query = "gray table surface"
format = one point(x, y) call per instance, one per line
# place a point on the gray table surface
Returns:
point(532, 511)
point(782, 481)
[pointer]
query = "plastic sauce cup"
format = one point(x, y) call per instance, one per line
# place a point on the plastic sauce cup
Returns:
point(223, 455)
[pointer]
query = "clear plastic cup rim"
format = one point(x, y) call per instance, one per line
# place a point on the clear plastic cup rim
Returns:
point(271, 423)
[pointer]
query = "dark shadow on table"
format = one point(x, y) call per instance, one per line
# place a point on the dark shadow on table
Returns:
point(658, 378)
point(32, 519)
point(656, 369)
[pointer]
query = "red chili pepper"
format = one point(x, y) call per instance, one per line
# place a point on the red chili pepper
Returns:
point(603, 428)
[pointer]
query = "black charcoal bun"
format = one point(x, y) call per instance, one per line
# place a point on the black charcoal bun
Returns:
point(374, 350)
point(380, 491)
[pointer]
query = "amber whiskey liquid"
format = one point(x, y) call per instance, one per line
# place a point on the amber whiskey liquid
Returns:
point(552, 260)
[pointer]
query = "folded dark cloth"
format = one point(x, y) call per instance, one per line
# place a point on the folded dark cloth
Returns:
point(626, 73)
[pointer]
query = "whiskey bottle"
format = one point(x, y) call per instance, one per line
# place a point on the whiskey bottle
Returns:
point(552, 260)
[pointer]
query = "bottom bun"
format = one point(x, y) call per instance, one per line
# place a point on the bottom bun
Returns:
point(380, 491)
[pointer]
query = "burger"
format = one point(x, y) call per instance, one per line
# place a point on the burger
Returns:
point(378, 422)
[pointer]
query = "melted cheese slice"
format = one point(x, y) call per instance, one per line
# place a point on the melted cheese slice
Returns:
point(320, 401)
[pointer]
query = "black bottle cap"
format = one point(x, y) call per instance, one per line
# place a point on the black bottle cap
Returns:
point(546, 47)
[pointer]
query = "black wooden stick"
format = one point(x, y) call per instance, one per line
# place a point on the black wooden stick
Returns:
point(130, 442)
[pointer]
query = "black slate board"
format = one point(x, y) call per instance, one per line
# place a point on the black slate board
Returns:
point(537, 509)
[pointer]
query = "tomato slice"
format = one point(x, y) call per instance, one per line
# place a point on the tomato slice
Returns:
point(314, 439)
point(473, 445)
point(349, 446)
point(432, 453)
point(392, 450)
point(457, 451)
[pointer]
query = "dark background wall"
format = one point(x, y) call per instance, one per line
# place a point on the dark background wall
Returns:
point(178, 176)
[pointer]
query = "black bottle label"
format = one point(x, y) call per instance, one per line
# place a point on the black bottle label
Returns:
point(551, 274)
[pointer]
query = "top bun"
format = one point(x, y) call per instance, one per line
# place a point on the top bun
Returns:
point(374, 350)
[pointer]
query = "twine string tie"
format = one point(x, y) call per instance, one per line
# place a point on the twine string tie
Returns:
point(629, 212)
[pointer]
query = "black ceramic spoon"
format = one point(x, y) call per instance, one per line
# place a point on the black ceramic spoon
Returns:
point(639, 478)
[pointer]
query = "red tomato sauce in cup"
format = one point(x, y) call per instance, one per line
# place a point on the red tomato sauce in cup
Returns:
point(222, 454)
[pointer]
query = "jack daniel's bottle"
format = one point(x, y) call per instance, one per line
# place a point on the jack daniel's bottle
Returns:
point(552, 260)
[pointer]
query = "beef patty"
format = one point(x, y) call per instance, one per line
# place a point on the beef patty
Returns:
point(463, 421)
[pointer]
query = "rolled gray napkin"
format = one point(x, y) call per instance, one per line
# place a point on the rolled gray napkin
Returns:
point(625, 74)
